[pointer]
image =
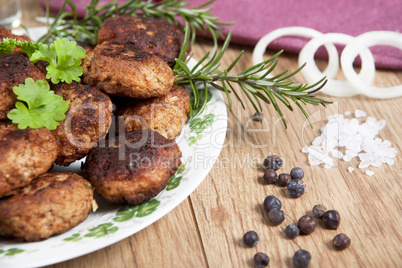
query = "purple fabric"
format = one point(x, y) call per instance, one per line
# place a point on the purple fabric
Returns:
point(256, 18)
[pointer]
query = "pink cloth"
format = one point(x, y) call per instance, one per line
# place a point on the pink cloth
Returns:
point(256, 18)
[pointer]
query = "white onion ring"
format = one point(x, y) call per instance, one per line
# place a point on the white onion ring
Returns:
point(364, 41)
point(259, 50)
point(333, 87)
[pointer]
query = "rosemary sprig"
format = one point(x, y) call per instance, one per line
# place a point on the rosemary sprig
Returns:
point(67, 24)
point(255, 86)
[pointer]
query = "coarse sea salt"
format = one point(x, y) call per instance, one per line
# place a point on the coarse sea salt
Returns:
point(344, 138)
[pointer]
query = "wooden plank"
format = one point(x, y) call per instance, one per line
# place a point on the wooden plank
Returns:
point(166, 243)
point(229, 202)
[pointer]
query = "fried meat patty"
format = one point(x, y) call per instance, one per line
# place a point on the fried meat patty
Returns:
point(134, 169)
point(24, 155)
point(125, 70)
point(14, 69)
point(87, 121)
point(51, 204)
point(166, 115)
point(156, 36)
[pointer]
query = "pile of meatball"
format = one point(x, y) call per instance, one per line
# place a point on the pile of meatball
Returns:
point(123, 117)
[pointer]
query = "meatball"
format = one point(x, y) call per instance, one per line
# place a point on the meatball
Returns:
point(125, 70)
point(51, 204)
point(156, 36)
point(24, 155)
point(87, 121)
point(134, 168)
point(166, 115)
point(14, 69)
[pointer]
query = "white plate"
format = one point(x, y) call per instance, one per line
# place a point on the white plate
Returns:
point(200, 143)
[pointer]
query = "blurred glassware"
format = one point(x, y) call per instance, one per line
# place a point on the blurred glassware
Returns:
point(10, 13)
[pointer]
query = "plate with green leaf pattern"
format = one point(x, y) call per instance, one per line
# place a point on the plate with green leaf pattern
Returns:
point(201, 141)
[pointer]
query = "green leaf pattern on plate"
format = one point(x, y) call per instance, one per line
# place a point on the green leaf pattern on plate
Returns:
point(141, 210)
point(198, 126)
point(73, 238)
point(102, 230)
point(175, 180)
point(11, 251)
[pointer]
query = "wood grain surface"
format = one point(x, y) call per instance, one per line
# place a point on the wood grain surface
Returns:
point(206, 230)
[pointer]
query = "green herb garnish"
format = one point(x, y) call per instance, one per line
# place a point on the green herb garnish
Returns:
point(42, 107)
point(64, 57)
point(67, 24)
point(255, 86)
point(28, 47)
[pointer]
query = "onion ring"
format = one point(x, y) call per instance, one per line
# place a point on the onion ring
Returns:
point(364, 41)
point(334, 87)
point(259, 50)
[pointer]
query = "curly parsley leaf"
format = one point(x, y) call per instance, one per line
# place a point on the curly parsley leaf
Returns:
point(28, 47)
point(7, 46)
point(64, 57)
point(43, 108)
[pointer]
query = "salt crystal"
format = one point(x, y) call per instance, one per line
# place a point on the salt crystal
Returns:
point(358, 139)
point(360, 113)
point(347, 113)
point(336, 153)
point(390, 161)
point(369, 172)
point(387, 143)
point(364, 165)
point(381, 124)
point(347, 158)
point(350, 169)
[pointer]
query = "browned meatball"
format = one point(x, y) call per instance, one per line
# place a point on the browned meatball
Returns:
point(51, 204)
point(87, 121)
point(14, 69)
point(166, 115)
point(133, 169)
point(156, 36)
point(24, 155)
point(125, 70)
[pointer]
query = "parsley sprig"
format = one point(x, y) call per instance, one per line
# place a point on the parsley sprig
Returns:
point(42, 107)
point(64, 57)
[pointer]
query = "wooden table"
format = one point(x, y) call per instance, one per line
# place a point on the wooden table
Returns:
point(207, 228)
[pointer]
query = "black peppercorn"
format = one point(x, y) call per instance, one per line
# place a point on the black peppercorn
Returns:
point(341, 241)
point(272, 202)
point(331, 219)
point(283, 179)
point(276, 216)
point(319, 210)
point(292, 231)
point(307, 224)
point(251, 238)
point(261, 259)
point(273, 162)
point(270, 176)
point(302, 258)
point(297, 173)
point(296, 188)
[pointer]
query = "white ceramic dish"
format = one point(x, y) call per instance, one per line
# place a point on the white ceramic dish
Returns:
point(201, 142)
